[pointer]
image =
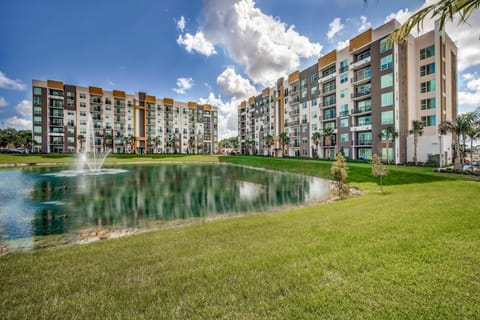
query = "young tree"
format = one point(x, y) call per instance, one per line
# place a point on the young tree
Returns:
point(339, 172)
point(378, 169)
point(388, 135)
point(316, 137)
point(417, 130)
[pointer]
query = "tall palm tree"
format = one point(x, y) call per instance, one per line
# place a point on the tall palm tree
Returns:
point(316, 137)
point(473, 134)
point(388, 135)
point(443, 10)
point(249, 144)
point(157, 141)
point(417, 130)
point(269, 142)
point(284, 140)
point(446, 127)
point(328, 133)
point(191, 142)
point(81, 139)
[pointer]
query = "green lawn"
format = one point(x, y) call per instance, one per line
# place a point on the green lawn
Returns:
point(410, 253)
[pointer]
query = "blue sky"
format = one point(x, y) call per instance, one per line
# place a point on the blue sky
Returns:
point(212, 51)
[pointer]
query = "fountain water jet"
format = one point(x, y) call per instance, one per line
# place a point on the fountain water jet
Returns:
point(89, 159)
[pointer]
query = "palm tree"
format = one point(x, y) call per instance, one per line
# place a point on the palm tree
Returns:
point(107, 142)
point(269, 142)
point(157, 141)
point(327, 133)
point(417, 130)
point(316, 137)
point(473, 134)
point(446, 127)
point(284, 140)
point(130, 141)
point(388, 135)
point(442, 10)
point(81, 139)
point(249, 143)
point(191, 142)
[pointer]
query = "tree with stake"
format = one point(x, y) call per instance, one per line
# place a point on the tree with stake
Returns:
point(378, 169)
point(339, 173)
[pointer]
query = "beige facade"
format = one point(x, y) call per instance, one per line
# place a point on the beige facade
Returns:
point(65, 115)
point(353, 95)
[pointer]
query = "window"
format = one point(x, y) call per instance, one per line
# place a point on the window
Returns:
point(390, 153)
point(386, 62)
point(83, 96)
point(386, 80)
point(364, 106)
point(70, 139)
point(343, 66)
point(387, 99)
point(344, 137)
point(314, 115)
point(83, 105)
point(314, 127)
point(313, 90)
point(385, 45)
point(37, 129)
point(427, 52)
point(330, 125)
point(37, 91)
point(344, 123)
point(37, 100)
point(71, 113)
point(314, 102)
point(346, 152)
point(83, 122)
point(70, 95)
point(343, 77)
point(304, 93)
point(363, 121)
point(387, 117)
point(313, 77)
point(364, 154)
point(37, 110)
point(330, 86)
point(427, 86)
point(344, 110)
point(429, 121)
point(427, 69)
point(343, 93)
point(304, 105)
point(427, 104)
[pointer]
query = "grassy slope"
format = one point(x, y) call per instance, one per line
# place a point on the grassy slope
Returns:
point(412, 252)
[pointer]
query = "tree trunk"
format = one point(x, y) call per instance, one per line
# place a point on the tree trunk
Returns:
point(415, 141)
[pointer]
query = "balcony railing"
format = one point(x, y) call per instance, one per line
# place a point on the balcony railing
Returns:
point(361, 110)
point(361, 94)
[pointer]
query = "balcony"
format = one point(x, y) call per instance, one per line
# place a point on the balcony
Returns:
point(343, 113)
point(361, 61)
point(361, 79)
point(362, 143)
point(329, 117)
point(327, 104)
point(327, 91)
point(361, 127)
point(328, 77)
point(360, 111)
point(360, 95)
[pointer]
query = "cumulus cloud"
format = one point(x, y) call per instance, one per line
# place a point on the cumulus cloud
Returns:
point(3, 102)
point(8, 83)
point(227, 114)
point(197, 42)
point(234, 84)
point(183, 84)
point(24, 108)
point(401, 15)
point(365, 24)
point(18, 123)
point(342, 44)
point(266, 46)
point(469, 99)
point(334, 27)
point(181, 24)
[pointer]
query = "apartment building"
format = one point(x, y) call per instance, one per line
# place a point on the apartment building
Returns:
point(354, 95)
point(66, 116)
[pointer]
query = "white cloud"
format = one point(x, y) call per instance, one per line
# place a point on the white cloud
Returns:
point(401, 15)
point(343, 44)
point(3, 102)
point(183, 84)
point(198, 42)
point(267, 47)
point(235, 85)
point(334, 27)
point(227, 114)
point(181, 24)
point(111, 83)
point(469, 99)
point(365, 24)
point(18, 123)
point(24, 108)
point(7, 83)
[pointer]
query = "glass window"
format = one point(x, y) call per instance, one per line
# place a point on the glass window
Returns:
point(387, 99)
point(83, 105)
point(387, 117)
point(427, 104)
point(37, 100)
point(427, 69)
point(427, 86)
point(344, 77)
point(313, 77)
point(344, 137)
point(83, 95)
point(386, 62)
point(314, 127)
point(343, 66)
point(37, 91)
point(344, 123)
point(313, 90)
point(37, 129)
point(330, 125)
point(387, 80)
point(314, 102)
point(343, 93)
point(429, 121)
point(346, 152)
point(363, 121)
point(365, 154)
point(390, 153)
point(385, 45)
point(427, 52)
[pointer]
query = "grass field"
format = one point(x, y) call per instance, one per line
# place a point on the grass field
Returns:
point(410, 253)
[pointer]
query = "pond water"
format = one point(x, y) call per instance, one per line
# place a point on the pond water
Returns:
point(47, 202)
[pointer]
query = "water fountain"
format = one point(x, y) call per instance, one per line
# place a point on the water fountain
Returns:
point(90, 160)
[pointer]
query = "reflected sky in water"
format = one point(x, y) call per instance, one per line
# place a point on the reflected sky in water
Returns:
point(45, 201)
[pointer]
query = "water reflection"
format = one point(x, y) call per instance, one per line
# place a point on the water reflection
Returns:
point(36, 202)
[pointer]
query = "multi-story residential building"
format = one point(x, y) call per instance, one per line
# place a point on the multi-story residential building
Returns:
point(64, 116)
point(353, 95)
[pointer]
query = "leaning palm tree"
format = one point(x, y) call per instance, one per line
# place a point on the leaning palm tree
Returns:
point(417, 130)
point(328, 133)
point(269, 142)
point(388, 135)
point(316, 137)
point(442, 10)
